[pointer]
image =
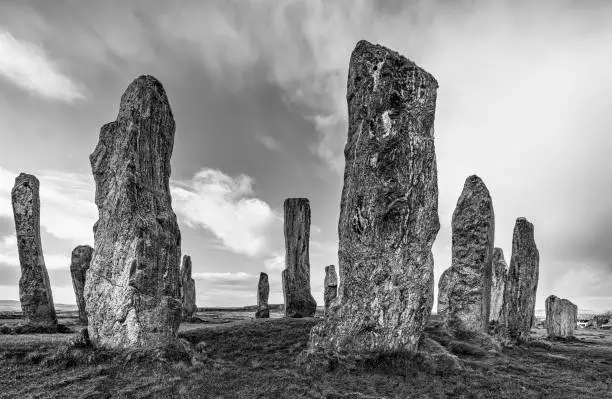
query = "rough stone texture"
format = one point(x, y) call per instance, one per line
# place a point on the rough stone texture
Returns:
point(330, 285)
point(561, 317)
point(466, 293)
point(263, 291)
point(296, 276)
point(188, 291)
point(498, 283)
point(133, 287)
point(34, 287)
point(443, 291)
point(388, 209)
point(79, 263)
point(521, 284)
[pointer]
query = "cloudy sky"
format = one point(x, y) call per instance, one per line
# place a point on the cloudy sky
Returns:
point(258, 93)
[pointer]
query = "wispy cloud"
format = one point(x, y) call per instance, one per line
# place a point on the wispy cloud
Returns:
point(276, 262)
point(227, 207)
point(269, 142)
point(29, 67)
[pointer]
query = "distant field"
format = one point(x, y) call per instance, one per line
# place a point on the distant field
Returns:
point(241, 357)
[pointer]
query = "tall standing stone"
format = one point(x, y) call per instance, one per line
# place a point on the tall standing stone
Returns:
point(388, 209)
point(296, 276)
point(561, 317)
point(521, 284)
point(498, 283)
point(132, 290)
point(34, 287)
point(188, 291)
point(467, 292)
point(79, 263)
point(331, 285)
point(263, 291)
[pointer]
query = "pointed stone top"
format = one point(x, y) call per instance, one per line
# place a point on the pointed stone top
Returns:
point(523, 225)
point(474, 182)
point(142, 95)
point(263, 275)
point(498, 254)
point(26, 178)
point(186, 268)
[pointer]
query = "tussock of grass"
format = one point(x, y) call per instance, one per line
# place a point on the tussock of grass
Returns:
point(34, 329)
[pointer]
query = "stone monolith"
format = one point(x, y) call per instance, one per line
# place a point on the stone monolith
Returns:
point(388, 208)
point(79, 263)
point(133, 286)
point(561, 317)
point(330, 285)
point(498, 283)
point(34, 287)
point(296, 276)
point(188, 291)
point(466, 294)
point(522, 282)
point(263, 291)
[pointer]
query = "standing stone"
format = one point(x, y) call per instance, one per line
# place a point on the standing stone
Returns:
point(561, 317)
point(263, 291)
point(331, 285)
point(133, 286)
point(188, 292)
point(296, 276)
point(79, 263)
point(521, 284)
point(498, 283)
point(466, 292)
point(388, 209)
point(34, 287)
point(443, 291)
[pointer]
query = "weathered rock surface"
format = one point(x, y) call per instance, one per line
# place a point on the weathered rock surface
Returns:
point(296, 276)
point(79, 263)
point(498, 283)
point(330, 285)
point(521, 284)
point(188, 291)
point(263, 291)
point(132, 289)
point(388, 210)
point(466, 295)
point(561, 317)
point(443, 291)
point(34, 287)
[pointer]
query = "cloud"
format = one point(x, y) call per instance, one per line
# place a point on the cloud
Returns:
point(224, 278)
point(275, 263)
point(227, 207)
point(269, 142)
point(29, 67)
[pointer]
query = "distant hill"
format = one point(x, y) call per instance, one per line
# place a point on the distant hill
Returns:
point(7, 305)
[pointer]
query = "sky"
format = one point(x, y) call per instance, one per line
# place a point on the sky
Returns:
point(258, 91)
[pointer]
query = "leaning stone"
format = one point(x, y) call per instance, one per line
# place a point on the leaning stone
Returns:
point(561, 317)
point(521, 285)
point(79, 263)
point(331, 285)
point(498, 283)
point(132, 289)
point(263, 291)
point(296, 276)
point(188, 291)
point(388, 209)
point(34, 287)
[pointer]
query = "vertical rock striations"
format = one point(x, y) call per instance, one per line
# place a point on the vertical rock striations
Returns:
point(521, 284)
point(132, 290)
point(498, 283)
point(388, 209)
point(34, 287)
point(561, 317)
point(330, 285)
point(296, 276)
point(263, 291)
point(79, 263)
point(466, 295)
point(188, 292)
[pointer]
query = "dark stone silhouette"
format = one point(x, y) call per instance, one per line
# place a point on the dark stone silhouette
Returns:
point(188, 291)
point(296, 276)
point(388, 209)
point(561, 317)
point(79, 263)
point(133, 286)
point(330, 285)
point(498, 283)
point(34, 287)
point(465, 292)
point(263, 291)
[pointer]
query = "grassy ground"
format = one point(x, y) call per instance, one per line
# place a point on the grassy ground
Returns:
point(258, 359)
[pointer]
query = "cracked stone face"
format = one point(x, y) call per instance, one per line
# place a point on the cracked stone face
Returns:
point(561, 317)
point(263, 291)
point(188, 291)
point(79, 263)
point(388, 210)
point(330, 285)
point(34, 288)
point(498, 283)
point(132, 288)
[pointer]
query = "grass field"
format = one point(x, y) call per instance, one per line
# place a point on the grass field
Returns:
point(238, 357)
